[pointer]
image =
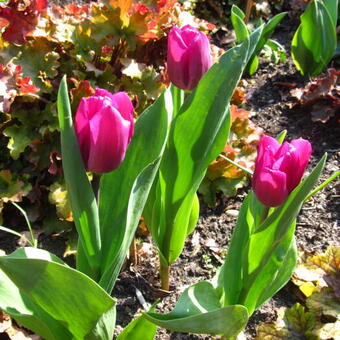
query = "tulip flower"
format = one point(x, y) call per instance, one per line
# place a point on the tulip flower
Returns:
point(279, 169)
point(104, 126)
point(189, 56)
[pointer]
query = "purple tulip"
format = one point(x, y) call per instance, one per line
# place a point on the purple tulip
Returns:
point(189, 56)
point(104, 126)
point(279, 169)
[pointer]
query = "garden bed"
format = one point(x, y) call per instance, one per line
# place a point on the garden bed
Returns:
point(268, 97)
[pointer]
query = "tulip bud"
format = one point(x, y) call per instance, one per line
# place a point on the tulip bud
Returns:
point(104, 126)
point(279, 169)
point(189, 56)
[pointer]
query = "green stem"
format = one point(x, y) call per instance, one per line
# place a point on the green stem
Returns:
point(96, 185)
point(177, 99)
point(322, 185)
point(237, 165)
point(13, 232)
point(34, 241)
point(264, 214)
point(164, 273)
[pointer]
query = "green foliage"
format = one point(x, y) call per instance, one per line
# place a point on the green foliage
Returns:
point(130, 184)
point(263, 250)
point(95, 42)
point(80, 193)
point(57, 302)
point(198, 310)
point(242, 32)
point(315, 41)
point(139, 328)
point(197, 134)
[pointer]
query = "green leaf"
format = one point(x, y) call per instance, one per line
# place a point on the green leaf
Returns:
point(55, 301)
point(253, 65)
point(20, 138)
point(268, 30)
point(199, 311)
point(283, 273)
point(39, 62)
point(314, 42)
point(123, 192)
point(139, 328)
point(197, 135)
point(253, 268)
point(80, 194)
point(239, 26)
point(332, 7)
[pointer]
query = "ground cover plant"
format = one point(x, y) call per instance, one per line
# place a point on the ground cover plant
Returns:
point(161, 161)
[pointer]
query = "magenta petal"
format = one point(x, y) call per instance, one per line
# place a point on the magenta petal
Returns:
point(199, 60)
point(109, 140)
point(176, 45)
point(304, 149)
point(189, 56)
point(302, 153)
point(270, 187)
point(82, 129)
point(268, 146)
point(190, 34)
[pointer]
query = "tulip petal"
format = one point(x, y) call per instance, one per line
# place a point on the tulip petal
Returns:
point(199, 59)
point(123, 104)
point(303, 151)
point(189, 56)
point(190, 35)
point(270, 187)
point(109, 140)
point(268, 146)
point(176, 44)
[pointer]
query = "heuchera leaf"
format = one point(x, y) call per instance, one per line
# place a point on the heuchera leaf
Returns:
point(22, 17)
point(12, 84)
point(295, 324)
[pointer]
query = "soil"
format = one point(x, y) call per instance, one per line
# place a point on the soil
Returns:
point(317, 225)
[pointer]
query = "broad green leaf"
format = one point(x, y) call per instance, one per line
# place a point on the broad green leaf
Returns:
point(139, 328)
point(16, 303)
point(332, 7)
point(123, 192)
point(56, 301)
point(283, 274)
point(197, 135)
point(314, 42)
point(239, 26)
point(19, 306)
point(230, 277)
point(259, 250)
point(198, 310)
point(80, 193)
point(195, 211)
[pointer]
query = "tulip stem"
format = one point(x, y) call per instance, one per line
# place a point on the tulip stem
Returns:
point(264, 214)
point(96, 185)
point(178, 99)
point(164, 273)
point(237, 165)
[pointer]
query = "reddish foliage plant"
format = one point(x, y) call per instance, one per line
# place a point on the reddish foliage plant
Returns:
point(21, 17)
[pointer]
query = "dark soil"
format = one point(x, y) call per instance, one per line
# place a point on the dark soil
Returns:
point(317, 225)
